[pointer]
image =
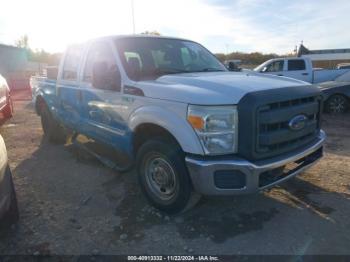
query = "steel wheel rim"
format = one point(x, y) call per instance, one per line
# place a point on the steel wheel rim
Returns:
point(160, 177)
point(337, 104)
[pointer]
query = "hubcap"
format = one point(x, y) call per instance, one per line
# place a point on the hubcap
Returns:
point(337, 105)
point(160, 177)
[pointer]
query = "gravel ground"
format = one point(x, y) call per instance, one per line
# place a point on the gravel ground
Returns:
point(71, 206)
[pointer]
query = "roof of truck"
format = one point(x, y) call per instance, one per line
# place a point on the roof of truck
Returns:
point(140, 36)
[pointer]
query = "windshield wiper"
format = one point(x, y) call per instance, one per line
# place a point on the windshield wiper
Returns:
point(173, 70)
point(210, 69)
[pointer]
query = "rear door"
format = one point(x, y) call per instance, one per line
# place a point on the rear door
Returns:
point(102, 107)
point(297, 69)
point(68, 92)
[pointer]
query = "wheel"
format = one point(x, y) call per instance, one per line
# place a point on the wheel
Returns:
point(53, 131)
point(337, 104)
point(8, 111)
point(164, 178)
point(12, 215)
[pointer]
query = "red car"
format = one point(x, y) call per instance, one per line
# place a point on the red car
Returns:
point(6, 106)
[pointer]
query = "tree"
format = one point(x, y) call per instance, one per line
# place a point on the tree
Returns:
point(151, 33)
point(22, 42)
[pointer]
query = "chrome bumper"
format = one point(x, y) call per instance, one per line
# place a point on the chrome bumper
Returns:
point(202, 171)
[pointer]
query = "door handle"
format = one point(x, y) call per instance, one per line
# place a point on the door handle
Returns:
point(280, 75)
point(305, 74)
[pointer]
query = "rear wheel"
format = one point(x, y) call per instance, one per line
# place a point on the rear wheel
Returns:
point(8, 111)
point(164, 178)
point(337, 104)
point(53, 131)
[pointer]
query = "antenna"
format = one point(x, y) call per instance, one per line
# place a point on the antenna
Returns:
point(133, 16)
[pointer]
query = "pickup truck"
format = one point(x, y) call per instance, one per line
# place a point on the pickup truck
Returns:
point(298, 68)
point(188, 125)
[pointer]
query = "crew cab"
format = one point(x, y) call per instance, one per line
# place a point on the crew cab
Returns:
point(298, 68)
point(6, 106)
point(188, 125)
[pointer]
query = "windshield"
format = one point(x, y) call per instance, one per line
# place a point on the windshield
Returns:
point(149, 58)
point(344, 77)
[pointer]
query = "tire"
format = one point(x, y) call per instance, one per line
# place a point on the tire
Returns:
point(52, 129)
point(164, 178)
point(8, 111)
point(337, 104)
point(12, 215)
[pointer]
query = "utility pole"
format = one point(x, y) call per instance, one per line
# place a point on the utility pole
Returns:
point(133, 16)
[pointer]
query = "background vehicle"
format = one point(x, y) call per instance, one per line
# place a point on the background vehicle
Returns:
point(190, 126)
point(337, 94)
point(298, 68)
point(8, 200)
point(343, 66)
point(6, 106)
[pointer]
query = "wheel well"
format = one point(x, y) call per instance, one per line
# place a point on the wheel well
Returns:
point(40, 102)
point(145, 132)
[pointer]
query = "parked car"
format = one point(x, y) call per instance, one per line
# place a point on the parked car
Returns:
point(6, 105)
point(343, 66)
point(298, 68)
point(190, 126)
point(337, 94)
point(8, 200)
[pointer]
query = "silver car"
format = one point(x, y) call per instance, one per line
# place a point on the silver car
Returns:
point(8, 200)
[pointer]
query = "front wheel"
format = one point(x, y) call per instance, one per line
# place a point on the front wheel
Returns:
point(164, 178)
point(337, 104)
point(12, 215)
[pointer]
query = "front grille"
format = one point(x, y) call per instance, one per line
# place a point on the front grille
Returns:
point(264, 117)
point(274, 135)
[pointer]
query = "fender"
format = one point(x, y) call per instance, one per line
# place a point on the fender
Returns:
point(174, 124)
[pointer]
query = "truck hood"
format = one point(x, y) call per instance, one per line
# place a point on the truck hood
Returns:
point(212, 88)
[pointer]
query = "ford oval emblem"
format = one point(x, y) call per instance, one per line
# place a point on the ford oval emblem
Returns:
point(297, 123)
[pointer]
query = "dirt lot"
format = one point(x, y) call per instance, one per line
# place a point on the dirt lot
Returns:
point(69, 206)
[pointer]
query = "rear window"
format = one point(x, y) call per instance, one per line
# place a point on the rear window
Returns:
point(71, 63)
point(295, 65)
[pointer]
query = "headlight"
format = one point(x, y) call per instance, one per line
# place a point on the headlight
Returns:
point(216, 127)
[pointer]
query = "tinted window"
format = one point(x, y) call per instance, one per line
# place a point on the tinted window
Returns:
point(149, 58)
point(71, 63)
point(294, 65)
point(275, 66)
point(101, 54)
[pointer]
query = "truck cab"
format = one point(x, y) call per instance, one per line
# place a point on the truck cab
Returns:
point(300, 68)
point(188, 125)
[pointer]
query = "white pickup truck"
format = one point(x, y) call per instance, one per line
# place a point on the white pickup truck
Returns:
point(298, 68)
point(188, 125)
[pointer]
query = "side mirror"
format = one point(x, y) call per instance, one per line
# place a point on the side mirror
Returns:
point(264, 69)
point(104, 77)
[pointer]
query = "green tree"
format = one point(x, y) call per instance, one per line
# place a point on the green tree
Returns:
point(22, 42)
point(151, 33)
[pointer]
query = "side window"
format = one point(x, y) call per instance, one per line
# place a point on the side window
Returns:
point(101, 68)
point(71, 63)
point(275, 66)
point(295, 65)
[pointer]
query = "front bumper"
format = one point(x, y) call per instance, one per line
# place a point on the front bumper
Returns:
point(243, 177)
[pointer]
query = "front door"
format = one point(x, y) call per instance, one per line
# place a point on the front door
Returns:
point(102, 107)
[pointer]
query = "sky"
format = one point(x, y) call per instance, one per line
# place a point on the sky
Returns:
point(221, 25)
